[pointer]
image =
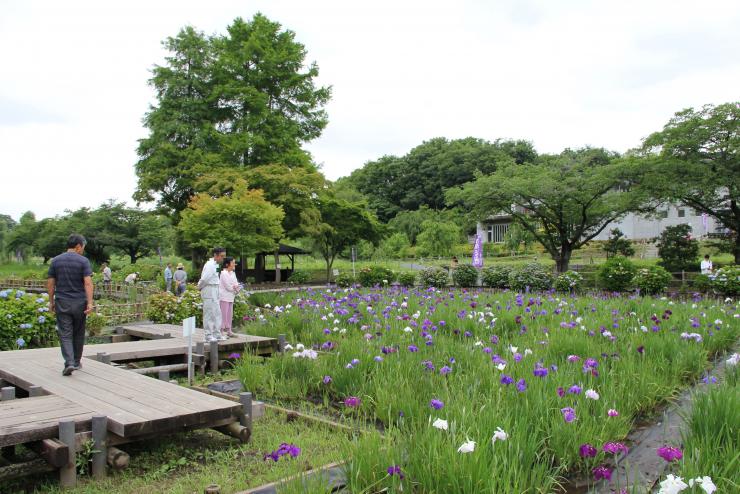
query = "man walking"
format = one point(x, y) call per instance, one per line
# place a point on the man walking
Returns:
point(70, 288)
point(168, 277)
point(208, 286)
point(181, 279)
point(107, 277)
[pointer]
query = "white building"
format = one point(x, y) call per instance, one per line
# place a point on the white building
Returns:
point(634, 226)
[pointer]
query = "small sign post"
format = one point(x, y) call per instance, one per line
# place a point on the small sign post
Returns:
point(188, 328)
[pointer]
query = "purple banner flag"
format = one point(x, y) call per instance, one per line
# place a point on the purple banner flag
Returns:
point(478, 252)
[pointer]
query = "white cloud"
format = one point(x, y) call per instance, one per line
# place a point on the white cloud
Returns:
point(562, 74)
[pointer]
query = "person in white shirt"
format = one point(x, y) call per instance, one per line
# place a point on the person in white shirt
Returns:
point(706, 265)
point(227, 289)
point(208, 286)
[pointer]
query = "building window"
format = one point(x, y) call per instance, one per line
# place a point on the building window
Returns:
point(681, 213)
point(495, 232)
point(663, 214)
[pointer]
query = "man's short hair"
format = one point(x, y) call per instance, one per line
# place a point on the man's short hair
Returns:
point(218, 250)
point(74, 240)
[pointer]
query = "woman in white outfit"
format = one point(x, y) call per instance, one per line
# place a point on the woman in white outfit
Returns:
point(208, 286)
point(227, 290)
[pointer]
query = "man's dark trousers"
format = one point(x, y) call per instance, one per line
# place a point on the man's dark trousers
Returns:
point(71, 329)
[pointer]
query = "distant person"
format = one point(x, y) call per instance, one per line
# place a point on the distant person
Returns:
point(208, 286)
point(706, 265)
point(181, 279)
point(168, 277)
point(131, 279)
point(107, 277)
point(70, 287)
point(453, 263)
point(227, 289)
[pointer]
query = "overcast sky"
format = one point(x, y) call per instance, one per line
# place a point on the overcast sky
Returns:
point(73, 83)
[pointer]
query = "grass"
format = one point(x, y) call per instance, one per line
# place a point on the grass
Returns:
point(711, 439)
point(186, 463)
point(642, 361)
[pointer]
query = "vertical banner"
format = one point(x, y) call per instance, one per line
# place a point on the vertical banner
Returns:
point(478, 252)
point(188, 328)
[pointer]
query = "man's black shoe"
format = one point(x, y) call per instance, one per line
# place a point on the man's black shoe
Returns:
point(68, 371)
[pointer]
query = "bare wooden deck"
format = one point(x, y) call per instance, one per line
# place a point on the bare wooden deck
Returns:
point(135, 405)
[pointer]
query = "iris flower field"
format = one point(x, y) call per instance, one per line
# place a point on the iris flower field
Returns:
point(479, 391)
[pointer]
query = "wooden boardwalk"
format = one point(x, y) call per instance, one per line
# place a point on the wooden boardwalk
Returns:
point(136, 406)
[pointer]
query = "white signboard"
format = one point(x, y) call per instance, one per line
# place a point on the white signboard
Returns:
point(188, 328)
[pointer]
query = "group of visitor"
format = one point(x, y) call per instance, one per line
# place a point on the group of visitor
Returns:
point(218, 290)
point(179, 277)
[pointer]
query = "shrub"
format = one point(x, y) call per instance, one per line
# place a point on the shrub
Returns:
point(375, 275)
point(345, 280)
point(243, 310)
point(496, 276)
point(726, 280)
point(617, 245)
point(163, 308)
point(532, 276)
point(465, 275)
point(701, 283)
point(407, 278)
point(299, 277)
point(651, 280)
point(570, 281)
point(94, 323)
point(25, 320)
point(436, 277)
point(616, 274)
point(147, 272)
point(677, 250)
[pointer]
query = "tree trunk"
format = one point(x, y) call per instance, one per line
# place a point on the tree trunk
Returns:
point(737, 248)
point(562, 261)
point(277, 266)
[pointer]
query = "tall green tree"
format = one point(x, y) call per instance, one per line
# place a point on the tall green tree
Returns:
point(237, 101)
point(6, 225)
point(22, 237)
point(342, 225)
point(131, 231)
point(694, 160)
point(244, 223)
point(563, 201)
point(394, 184)
point(437, 238)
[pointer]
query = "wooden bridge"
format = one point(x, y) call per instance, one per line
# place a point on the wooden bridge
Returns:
point(40, 406)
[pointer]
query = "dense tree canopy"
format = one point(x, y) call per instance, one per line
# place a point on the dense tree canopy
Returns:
point(342, 225)
point(394, 184)
point(237, 101)
point(243, 222)
point(562, 200)
point(694, 160)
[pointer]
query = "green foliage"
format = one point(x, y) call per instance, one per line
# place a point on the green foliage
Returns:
point(236, 101)
point(617, 245)
point(406, 278)
point(375, 275)
point(563, 200)
point(433, 277)
point(418, 179)
point(516, 236)
point(496, 276)
point(726, 280)
point(299, 277)
point(437, 238)
point(616, 274)
point(531, 276)
point(570, 281)
point(651, 280)
point(677, 250)
point(342, 224)
point(395, 247)
point(465, 275)
point(694, 161)
point(25, 321)
point(242, 223)
point(22, 237)
point(94, 323)
point(710, 439)
point(345, 280)
point(147, 272)
point(131, 231)
point(701, 283)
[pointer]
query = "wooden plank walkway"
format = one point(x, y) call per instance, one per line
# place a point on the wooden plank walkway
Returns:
point(136, 405)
